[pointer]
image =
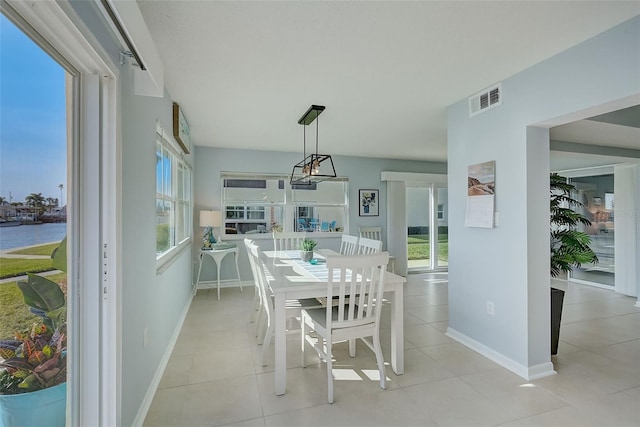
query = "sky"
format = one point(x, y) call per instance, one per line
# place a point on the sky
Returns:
point(32, 118)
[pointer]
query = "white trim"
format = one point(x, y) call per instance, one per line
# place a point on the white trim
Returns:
point(155, 382)
point(55, 26)
point(111, 199)
point(149, 82)
point(527, 372)
point(94, 204)
point(431, 178)
point(172, 255)
point(637, 304)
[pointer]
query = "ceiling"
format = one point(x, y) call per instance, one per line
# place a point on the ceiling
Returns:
point(244, 72)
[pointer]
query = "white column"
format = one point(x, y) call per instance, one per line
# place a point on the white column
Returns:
point(626, 224)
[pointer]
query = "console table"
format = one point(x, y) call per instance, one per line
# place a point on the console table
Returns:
point(218, 255)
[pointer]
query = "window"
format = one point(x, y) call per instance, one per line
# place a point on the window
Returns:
point(173, 196)
point(322, 207)
point(266, 203)
point(440, 211)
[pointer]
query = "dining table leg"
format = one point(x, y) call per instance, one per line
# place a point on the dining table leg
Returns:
point(397, 330)
point(280, 374)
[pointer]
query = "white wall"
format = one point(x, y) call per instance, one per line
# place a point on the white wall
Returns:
point(508, 265)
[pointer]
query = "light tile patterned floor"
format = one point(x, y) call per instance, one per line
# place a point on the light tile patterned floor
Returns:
point(214, 376)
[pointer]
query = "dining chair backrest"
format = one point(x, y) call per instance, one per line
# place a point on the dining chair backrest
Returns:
point(368, 246)
point(374, 233)
point(324, 226)
point(302, 224)
point(247, 244)
point(332, 226)
point(288, 240)
point(261, 279)
point(360, 280)
point(257, 296)
point(348, 244)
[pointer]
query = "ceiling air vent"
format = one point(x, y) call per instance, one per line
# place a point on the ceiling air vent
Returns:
point(485, 100)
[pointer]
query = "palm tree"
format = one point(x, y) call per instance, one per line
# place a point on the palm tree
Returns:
point(2, 201)
point(61, 187)
point(569, 247)
point(35, 201)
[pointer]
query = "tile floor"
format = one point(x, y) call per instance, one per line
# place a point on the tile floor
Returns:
point(214, 376)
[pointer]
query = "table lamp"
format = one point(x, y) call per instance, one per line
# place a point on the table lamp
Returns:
point(208, 220)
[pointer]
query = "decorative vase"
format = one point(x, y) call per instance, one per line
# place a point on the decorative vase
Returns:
point(306, 255)
point(45, 407)
point(557, 297)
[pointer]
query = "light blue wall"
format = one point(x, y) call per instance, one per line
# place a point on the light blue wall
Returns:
point(149, 300)
point(363, 173)
point(509, 265)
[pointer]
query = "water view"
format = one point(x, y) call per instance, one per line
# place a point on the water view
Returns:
point(33, 234)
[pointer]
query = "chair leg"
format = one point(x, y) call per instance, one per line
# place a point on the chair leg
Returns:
point(380, 360)
point(329, 371)
point(267, 343)
point(256, 306)
point(260, 326)
point(302, 346)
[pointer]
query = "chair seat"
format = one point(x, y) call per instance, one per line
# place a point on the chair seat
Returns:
point(303, 303)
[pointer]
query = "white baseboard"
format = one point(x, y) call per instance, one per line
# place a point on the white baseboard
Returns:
point(227, 283)
point(153, 387)
point(526, 372)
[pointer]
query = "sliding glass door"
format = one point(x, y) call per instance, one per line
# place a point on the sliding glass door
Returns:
point(427, 230)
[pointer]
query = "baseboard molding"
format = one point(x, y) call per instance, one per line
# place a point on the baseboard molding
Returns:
point(526, 372)
point(155, 382)
point(226, 283)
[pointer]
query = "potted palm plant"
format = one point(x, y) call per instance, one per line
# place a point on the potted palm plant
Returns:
point(33, 364)
point(569, 247)
point(306, 249)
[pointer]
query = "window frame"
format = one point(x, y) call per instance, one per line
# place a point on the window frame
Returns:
point(179, 197)
point(289, 206)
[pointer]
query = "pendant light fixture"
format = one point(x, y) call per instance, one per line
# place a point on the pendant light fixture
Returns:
point(315, 167)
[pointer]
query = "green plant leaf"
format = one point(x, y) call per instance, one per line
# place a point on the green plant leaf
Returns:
point(41, 293)
point(59, 256)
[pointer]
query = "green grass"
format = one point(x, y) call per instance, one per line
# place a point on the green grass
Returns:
point(37, 250)
point(14, 314)
point(419, 247)
point(12, 267)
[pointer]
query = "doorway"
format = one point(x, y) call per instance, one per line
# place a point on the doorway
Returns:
point(92, 208)
point(427, 226)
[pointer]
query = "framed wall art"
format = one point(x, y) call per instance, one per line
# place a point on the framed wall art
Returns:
point(369, 202)
point(181, 129)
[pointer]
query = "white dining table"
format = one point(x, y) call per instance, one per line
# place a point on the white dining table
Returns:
point(293, 278)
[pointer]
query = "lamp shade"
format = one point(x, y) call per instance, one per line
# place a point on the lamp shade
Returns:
point(210, 218)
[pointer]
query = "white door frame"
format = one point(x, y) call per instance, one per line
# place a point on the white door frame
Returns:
point(93, 209)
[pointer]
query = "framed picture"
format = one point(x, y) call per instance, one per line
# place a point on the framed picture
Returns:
point(181, 129)
point(369, 202)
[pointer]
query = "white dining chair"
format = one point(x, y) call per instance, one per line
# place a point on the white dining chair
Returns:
point(360, 280)
point(375, 233)
point(264, 323)
point(257, 296)
point(348, 244)
point(368, 246)
point(286, 241)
